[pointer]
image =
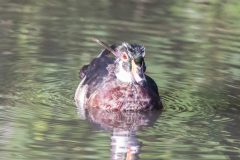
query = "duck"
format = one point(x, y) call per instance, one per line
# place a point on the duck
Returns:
point(116, 80)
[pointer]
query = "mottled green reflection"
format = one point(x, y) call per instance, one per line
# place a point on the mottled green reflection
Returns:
point(192, 52)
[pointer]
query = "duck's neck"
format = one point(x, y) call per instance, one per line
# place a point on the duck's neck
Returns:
point(122, 74)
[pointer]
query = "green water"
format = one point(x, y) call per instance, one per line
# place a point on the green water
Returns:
point(192, 52)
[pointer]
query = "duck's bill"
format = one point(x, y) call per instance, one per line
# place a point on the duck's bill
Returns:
point(138, 73)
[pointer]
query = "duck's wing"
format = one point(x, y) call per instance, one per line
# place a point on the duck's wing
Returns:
point(94, 73)
point(97, 64)
point(154, 88)
point(152, 84)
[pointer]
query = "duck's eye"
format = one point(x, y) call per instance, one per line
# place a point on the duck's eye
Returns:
point(138, 60)
point(124, 57)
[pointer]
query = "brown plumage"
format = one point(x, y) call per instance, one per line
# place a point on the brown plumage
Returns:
point(101, 87)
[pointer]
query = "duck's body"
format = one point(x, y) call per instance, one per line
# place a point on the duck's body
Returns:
point(108, 84)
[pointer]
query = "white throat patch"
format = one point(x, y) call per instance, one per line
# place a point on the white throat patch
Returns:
point(123, 75)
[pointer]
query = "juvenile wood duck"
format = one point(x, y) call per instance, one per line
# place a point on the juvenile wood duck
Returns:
point(118, 83)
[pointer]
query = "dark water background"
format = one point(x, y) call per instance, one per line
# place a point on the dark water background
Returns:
point(192, 52)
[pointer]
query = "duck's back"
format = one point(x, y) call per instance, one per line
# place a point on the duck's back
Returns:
point(95, 72)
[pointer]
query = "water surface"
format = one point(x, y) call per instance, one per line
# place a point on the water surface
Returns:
point(192, 52)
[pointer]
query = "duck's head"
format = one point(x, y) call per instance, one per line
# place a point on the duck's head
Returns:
point(130, 63)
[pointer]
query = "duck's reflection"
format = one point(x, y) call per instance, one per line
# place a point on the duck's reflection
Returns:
point(123, 125)
point(125, 145)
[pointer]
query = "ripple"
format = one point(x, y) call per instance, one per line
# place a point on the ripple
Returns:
point(8, 96)
point(192, 53)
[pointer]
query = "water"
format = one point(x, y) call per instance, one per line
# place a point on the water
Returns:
point(192, 52)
